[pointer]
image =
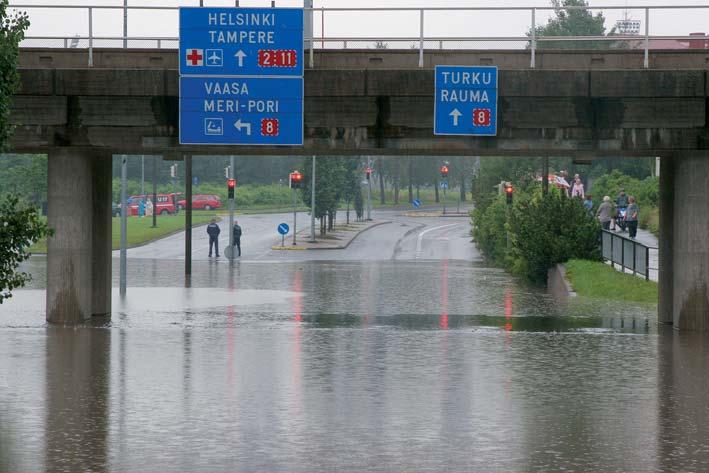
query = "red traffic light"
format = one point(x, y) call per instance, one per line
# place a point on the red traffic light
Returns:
point(444, 171)
point(296, 176)
point(509, 189)
point(231, 183)
point(368, 171)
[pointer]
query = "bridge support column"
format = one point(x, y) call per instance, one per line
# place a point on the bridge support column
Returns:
point(78, 194)
point(690, 245)
point(666, 275)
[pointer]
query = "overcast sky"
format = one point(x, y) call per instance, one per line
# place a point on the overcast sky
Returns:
point(46, 22)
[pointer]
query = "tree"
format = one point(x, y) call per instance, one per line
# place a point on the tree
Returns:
point(20, 224)
point(575, 22)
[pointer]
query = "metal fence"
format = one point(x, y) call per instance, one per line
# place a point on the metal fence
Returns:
point(626, 253)
point(426, 28)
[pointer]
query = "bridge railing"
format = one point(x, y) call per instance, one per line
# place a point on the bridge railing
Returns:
point(626, 253)
point(419, 29)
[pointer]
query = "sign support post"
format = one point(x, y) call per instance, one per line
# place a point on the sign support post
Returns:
point(124, 223)
point(232, 204)
point(312, 205)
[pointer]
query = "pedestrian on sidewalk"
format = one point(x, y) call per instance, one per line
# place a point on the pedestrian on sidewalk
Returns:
point(605, 213)
point(213, 231)
point(577, 189)
point(237, 236)
point(631, 217)
point(588, 204)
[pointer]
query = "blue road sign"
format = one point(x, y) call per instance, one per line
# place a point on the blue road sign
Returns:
point(241, 111)
point(241, 41)
point(444, 185)
point(283, 229)
point(195, 181)
point(416, 203)
point(466, 101)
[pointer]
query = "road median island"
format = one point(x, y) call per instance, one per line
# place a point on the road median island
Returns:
point(338, 239)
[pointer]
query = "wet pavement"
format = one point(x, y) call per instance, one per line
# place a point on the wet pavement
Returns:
point(405, 363)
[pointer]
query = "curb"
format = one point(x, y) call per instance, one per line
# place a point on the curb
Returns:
point(289, 248)
point(341, 247)
point(558, 284)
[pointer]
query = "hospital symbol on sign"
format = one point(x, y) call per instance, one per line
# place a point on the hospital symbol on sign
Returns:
point(195, 57)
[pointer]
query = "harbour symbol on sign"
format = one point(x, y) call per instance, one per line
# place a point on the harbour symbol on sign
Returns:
point(213, 126)
point(195, 57)
point(215, 57)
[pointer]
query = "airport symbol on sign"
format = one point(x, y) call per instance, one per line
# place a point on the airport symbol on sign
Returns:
point(466, 100)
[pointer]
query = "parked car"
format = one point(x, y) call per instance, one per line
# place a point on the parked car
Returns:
point(203, 202)
point(165, 205)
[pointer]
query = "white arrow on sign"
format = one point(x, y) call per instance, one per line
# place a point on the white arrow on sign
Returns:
point(240, 55)
point(455, 114)
point(239, 125)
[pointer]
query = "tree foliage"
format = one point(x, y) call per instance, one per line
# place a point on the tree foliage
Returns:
point(572, 22)
point(12, 31)
point(20, 227)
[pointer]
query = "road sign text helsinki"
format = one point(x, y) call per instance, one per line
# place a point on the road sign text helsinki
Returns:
point(241, 76)
point(241, 41)
point(466, 100)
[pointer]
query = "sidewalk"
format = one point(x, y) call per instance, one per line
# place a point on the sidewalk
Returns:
point(338, 239)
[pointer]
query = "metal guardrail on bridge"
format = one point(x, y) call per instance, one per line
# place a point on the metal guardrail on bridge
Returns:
point(627, 253)
point(411, 19)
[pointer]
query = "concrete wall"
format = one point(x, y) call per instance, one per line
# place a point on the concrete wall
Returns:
point(552, 112)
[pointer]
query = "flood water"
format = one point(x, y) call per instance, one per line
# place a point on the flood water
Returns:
point(347, 366)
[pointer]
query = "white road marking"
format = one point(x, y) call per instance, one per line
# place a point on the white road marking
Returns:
point(421, 235)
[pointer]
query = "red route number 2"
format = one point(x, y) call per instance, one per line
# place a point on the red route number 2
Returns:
point(269, 127)
point(481, 117)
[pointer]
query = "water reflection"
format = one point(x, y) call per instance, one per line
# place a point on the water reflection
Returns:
point(77, 394)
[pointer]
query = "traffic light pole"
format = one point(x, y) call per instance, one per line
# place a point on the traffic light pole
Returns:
point(295, 228)
point(445, 188)
point(155, 191)
point(369, 190)
point(312, 205)
point(188, 217)
point(124, 224)
point(232, 203)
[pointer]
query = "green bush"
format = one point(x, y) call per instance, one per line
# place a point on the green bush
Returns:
point(490, 230)
point(646, 192)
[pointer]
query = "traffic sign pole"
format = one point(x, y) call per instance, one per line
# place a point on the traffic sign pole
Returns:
point(369, 190)
point(232, 203)
point(312, 205)
point(124, 223)
point(295, 228)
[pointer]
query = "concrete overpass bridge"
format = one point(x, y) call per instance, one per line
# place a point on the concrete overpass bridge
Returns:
point(584, 104)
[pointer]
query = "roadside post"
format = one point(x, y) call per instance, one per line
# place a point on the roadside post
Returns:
point(295, 181)
point(155, 191)
point(283, 230)
point(312, 205)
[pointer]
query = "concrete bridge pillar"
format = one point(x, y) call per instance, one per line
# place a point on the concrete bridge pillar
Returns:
point(685, 226)
point(79, 258)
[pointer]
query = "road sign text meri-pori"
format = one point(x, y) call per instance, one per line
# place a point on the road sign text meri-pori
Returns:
point(241, 41)
point(241, 111)
point(466, 100)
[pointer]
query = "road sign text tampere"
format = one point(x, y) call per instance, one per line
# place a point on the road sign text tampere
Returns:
point(241, 41)
point(241, 110)
point(466, 100)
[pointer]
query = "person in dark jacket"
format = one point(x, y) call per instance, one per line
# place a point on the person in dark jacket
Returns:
point(237, 237)
point(213, 231)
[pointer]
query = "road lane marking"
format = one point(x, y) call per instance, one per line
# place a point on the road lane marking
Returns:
point(419, 241)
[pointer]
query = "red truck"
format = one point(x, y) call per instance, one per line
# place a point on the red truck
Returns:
point(202, 202)
point(165, 204)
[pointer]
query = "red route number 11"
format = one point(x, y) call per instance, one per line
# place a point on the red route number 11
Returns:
point(482, 117)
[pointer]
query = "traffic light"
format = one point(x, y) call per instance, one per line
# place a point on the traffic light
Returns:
point(368, 172)
point(230, 185)
point(444, 171)
point(296, 180)
point(509, 192)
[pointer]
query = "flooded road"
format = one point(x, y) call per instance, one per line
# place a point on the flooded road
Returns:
point(319, 366)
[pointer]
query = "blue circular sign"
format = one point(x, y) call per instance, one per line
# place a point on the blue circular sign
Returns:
point(283, 229)
point(416, 203)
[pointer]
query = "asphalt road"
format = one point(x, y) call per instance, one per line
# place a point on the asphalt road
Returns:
point(404, 238)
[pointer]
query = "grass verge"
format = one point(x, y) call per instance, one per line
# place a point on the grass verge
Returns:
point(140, 230)
point(598, 280)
